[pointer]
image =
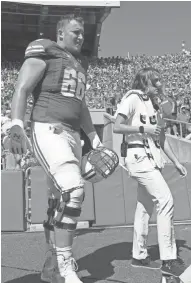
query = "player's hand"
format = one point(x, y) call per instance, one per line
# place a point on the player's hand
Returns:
point(95, 141)
point(153, 130)
point(17, 140)
point(182, 170)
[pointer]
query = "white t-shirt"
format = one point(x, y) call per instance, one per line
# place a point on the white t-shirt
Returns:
point(139, 111)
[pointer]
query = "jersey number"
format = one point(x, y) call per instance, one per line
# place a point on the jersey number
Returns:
point(73, 84)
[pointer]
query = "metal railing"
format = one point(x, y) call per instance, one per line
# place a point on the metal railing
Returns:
point(112, 118)
point(28, 196)
point(180, 124)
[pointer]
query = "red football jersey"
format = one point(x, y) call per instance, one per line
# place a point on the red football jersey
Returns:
point(58, 96)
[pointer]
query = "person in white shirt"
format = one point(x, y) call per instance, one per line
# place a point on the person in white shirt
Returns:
point(139, 119)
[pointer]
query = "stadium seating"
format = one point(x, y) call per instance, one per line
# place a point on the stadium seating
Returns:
point(110, 78)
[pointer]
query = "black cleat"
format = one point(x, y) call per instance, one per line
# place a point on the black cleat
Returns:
point(172, 267)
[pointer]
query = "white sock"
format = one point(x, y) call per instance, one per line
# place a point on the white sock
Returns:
point(66, 252)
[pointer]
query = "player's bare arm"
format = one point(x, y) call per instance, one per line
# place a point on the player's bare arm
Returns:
point(30, 74)
point(88, 127)
point(86, 120)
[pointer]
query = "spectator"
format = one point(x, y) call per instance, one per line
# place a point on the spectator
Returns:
point(169, 109)
point(187, 103)
point(11, 161)
point(184, 117)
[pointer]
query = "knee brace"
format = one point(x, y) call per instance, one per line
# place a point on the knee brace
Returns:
point(69, 209)
point(52, 205)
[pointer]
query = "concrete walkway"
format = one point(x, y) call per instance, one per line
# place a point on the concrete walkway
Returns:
point(103, 255)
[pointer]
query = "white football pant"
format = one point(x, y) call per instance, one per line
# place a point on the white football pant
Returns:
point(59, 154)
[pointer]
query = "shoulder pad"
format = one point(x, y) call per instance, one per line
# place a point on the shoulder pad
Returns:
point(38, 48)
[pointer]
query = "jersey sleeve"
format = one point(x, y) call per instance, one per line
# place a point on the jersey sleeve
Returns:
point(35, 49)
point(128, 106)
point(85, 63)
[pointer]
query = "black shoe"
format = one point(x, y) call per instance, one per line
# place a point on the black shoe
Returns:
point(145, 263)
point(172, 267)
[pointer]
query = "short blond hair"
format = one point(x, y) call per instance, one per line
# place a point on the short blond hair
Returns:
point(66, 19)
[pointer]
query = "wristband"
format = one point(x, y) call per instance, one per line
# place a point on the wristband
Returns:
point(94, 139)
point(18, 122)
point(141, 129)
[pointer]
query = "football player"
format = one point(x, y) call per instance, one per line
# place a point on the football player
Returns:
point(55, 73)
point(143, 128)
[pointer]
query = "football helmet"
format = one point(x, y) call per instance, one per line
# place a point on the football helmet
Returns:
point(98, 164)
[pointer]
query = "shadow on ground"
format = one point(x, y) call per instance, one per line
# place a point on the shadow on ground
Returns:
point(30, 278)
point(100, 264)
point(81, 232)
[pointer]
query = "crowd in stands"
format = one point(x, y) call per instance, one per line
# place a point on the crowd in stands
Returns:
point(110, 78)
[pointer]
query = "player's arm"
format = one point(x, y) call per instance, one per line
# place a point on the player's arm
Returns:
point(88, 127)
point(168, 151)
point(30, 74)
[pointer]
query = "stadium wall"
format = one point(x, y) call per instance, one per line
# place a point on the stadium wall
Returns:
point(111, 202)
